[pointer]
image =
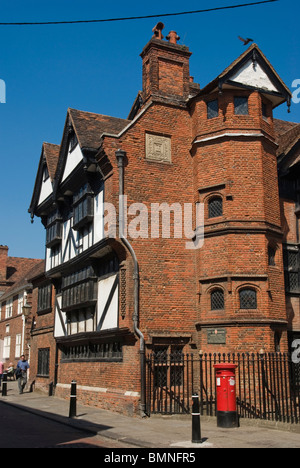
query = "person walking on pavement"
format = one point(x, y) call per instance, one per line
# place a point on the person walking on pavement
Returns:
point(21, 373)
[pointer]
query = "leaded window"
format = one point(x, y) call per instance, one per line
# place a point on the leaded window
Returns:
point(241, 105)
point(79, 289)
point(217, 300)
point(215, 207)
point(106, 351)
point(291, 268)
point(45, 298)
point(54, 229)
point(43, 362)
point(83, 207)
point(212, 109)
point(248, 299)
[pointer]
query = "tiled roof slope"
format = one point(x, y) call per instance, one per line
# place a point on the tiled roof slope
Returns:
point(51, 153)
point(33, 269)
point(288, 133)
point(90, 127)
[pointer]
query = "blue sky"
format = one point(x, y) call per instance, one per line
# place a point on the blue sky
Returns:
point(97, 68)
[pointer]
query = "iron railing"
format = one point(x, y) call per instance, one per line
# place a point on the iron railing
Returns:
point(267, 385)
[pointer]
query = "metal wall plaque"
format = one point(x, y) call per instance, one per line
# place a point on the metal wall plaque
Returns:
point(216, 336)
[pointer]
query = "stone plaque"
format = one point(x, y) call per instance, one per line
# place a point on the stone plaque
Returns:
point(216, 336)
point(158, 148)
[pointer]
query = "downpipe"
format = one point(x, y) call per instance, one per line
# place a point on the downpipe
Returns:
point(121, 158)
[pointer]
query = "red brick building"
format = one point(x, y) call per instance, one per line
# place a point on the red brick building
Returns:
point(16, 305)
point(118, 294)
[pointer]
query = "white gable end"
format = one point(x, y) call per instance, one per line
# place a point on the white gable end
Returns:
point(254, 76)
point(46, 190)
point(73, 159)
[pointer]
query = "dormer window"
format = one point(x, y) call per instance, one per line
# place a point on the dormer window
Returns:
point(241, 105)
point(83, 207)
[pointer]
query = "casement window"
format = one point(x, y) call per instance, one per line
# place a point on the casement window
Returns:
point(53, 229)
point(9, 308)
point(45, 298)
point(6, 347)
point(43, 362)
point(168, 366)
point(110, 351)
point(18, 346)
point(81, 321)
point(241, 105)
point(291, 261)
point(79, 289)
point(212, 109)
point(20, 303)
point(83, 207)
point(217, 300)
point(248, 299)
point(215, 207)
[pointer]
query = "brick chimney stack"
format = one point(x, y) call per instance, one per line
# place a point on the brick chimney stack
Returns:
point(3, 262)
point(166, 71)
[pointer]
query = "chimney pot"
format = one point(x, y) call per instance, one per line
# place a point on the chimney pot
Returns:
point(173, 37)
point(157, 30)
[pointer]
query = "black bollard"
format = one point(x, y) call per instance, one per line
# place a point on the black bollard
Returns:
point(4, 384)
point(196, 425)
point(72, 412)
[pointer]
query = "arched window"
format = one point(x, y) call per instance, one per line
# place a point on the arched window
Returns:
point(248, 299)
point(217, 300)
point(215, 207)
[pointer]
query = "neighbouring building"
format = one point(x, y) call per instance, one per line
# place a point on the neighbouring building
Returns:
point(122, 285)
point(16, 305)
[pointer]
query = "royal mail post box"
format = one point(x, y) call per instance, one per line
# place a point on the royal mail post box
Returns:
point(226, 395)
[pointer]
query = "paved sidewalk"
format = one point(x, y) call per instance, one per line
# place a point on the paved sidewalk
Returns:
point(154, 432)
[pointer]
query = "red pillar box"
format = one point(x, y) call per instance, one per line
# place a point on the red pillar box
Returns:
point(226, 395)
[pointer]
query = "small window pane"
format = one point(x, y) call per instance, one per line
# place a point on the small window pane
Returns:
point(248, 299)
point(217, 300)
point(212, 109)
point(264, 110)
point(241, 106)
point(215, 207)
point(271, 255)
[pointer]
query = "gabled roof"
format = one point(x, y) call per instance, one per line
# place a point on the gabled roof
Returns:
point(288, 140)
point(19, 272)
point(49, 158)
point(89, 129)
point(252, 70)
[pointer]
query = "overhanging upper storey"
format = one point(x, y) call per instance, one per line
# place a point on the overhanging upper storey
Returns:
point(70, 204)
point(252, 71)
